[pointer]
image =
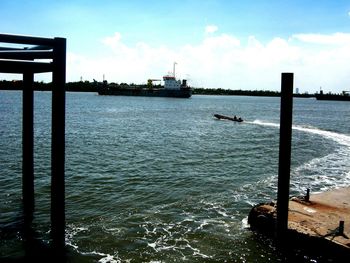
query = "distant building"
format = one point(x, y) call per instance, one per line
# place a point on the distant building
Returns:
point(296, 90)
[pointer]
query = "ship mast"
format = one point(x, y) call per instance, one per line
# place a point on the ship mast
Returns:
point(174, 69)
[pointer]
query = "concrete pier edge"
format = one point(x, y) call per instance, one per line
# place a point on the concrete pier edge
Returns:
point(313, 225)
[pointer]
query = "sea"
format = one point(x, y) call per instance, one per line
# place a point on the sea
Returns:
point(162, 180)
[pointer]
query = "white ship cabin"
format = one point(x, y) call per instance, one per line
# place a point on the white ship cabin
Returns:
point(170, 82)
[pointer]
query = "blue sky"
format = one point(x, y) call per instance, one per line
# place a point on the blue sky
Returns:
point(216, 43)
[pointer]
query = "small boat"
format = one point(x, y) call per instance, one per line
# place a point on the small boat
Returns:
point(234, 118)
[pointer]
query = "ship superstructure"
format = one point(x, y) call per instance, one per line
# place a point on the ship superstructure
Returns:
point(172, 88)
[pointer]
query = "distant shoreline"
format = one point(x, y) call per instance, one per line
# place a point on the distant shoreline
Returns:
point(86, 86)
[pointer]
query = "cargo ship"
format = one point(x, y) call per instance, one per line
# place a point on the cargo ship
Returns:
point(172, 88)
point(345, 96)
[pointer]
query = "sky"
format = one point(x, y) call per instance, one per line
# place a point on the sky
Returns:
point(225, 44)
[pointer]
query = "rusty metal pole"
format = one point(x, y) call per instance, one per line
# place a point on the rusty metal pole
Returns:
point(58, 145)
point(28, 148)
point(284, 155)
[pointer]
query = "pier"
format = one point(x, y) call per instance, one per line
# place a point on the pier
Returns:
point(323, 215)
point(319, 222)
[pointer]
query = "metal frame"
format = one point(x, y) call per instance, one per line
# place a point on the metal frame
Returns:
point(23, 61)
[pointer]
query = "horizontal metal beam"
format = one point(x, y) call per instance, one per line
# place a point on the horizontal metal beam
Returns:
point(41, 47)
point(26, 54)
point(29, 40)
point(10, 48)
point(19, 67)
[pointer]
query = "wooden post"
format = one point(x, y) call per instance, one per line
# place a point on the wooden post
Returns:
point(58, 144)
point(284, 155)
point(28, 148)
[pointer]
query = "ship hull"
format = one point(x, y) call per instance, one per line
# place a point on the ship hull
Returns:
point(176, 93)
point(332, 97)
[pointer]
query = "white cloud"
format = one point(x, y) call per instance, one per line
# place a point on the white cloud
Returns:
point(334, 39)
point(113, 40)
point(211, 29)
point(222, 61)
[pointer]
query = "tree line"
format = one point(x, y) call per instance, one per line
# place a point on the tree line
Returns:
point(87, 86)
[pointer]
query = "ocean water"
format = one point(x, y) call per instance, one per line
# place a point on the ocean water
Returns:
point(161, 180)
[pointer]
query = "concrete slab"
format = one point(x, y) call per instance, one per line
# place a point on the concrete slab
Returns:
point(312, 224)
point(320, 217)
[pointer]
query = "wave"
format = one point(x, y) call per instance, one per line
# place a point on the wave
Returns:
point(97, 256)
point(321, 173)
point(340, 138)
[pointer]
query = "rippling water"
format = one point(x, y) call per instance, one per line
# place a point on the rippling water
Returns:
point(161, 180)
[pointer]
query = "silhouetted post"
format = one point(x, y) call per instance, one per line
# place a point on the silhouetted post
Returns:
point(23, 61)
point(284, 155)
point(307, 196)
point(58, 144)
point(341, 228)
point(28, 148)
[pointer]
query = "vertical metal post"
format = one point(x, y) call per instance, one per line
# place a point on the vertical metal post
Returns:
point(28, 148)
point(284, 155)
point(58, 144)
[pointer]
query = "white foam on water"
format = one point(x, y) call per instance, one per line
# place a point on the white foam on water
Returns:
point(109, 259)
point(173, 237)
point(340, 138)
point(263, 123)
point(325, 172)
point(245, 224)
point(223, 213)
point(72, 231)
point(329, 171)
point(202, 224)
point(152, 245)
point(197, 252)
point(105, 258)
